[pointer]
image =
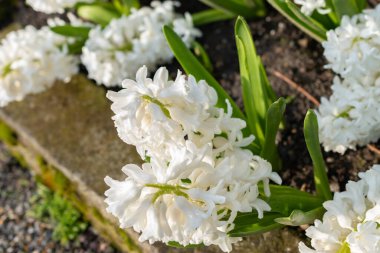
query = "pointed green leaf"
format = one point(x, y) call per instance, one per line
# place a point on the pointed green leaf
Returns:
point(362, 4)
point(249, 224)
point(305, 24)
point(347, 7)
point(298, 217)
point(285, 199)
point(71, 31)
point(125, 6)
point(238, 8)
point(255, 90)
point(202, 55)
point(97, 14)
point(312, 143)
point(268, 87)
point(210, 16)
point(312, 23)
point(272, 124)
point(76, 46)
point(192, 66)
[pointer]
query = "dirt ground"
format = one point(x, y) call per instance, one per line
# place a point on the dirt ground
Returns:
point(283, 48)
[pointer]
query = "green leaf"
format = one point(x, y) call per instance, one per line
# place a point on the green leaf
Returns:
point(71, 31)
point(255, 90)
point(313, 23)
point(202, 55)
point(285, 199)
point(264, 79)
point(305, 23)
point(125, 6)
point(180, 246)
point(273, 120)
point(298, 217)
point(362, 4)
point(249, 224)
point(76, 47)
point(210, 16)
point(238, 7)
point(192, 66)
point(97, 13)
point(312, 143)
point(347, 7)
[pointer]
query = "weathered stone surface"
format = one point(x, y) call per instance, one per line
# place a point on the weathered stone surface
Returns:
point(70, 128)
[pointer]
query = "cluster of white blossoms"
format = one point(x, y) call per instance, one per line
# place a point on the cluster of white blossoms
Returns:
point(351, 220)
point(31, 60)
point(53, 6)
point(196, 176)
point(353, 48)
point(309, 6)
point(350, 117)
point(116, 52)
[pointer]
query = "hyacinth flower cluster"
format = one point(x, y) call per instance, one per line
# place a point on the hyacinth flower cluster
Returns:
point(205, 179)
point(110, 40)
point(124, 37)
point(31, 60)
point(350, 37)
point(350, 116)
point(116, 51)
point(351, 220)
point(198, 175)
point(54, 6)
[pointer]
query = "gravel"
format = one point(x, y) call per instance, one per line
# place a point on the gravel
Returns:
point(21, 233)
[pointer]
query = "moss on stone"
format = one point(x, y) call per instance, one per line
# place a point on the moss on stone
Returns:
point(20, 159)
point(58, 182)
point(127, 240)
point(7, 135)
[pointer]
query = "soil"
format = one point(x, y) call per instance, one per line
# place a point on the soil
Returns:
point(286, 49)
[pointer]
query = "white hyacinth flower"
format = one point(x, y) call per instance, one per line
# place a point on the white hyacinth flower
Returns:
point(31, 60)
point(197, 177)
point(353, 49)
point(154, 113)
point(309, 6)
point(351, 219)
point(117, 51)
point(190, 199)
point(350, 116)
point(53, 6)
